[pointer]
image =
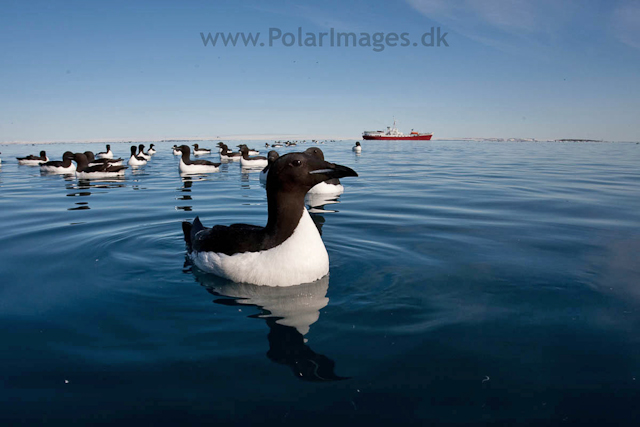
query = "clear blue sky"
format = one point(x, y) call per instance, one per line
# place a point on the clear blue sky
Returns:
point(78, 70)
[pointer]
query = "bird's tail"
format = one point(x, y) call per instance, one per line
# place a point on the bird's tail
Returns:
point(189, 230)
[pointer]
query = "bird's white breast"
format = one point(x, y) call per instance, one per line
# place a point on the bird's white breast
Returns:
point(302, 258)
point(105, 174)
point(133, 161)
point(58, 169)
point(185, 168)
point(257, 163)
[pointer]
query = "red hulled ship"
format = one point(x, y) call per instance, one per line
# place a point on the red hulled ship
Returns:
point(394, 133)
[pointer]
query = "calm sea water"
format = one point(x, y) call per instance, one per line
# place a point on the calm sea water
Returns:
point(471, 284)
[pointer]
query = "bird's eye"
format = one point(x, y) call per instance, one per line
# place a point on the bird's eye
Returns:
point(296, 163)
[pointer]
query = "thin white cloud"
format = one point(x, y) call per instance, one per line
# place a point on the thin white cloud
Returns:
point(503, 24)
point(625, 22)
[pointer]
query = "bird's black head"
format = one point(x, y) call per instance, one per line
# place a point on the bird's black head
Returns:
point(81, 159)
point(298, 172)
point(316, 152)
point(133, 150)
point(43, 153)
point(185, 150)
point(272, 156)
point(89, 155)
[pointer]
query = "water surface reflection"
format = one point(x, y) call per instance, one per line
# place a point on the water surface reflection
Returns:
point(289, 313)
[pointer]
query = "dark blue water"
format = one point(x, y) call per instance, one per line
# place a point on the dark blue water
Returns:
point(470, 284)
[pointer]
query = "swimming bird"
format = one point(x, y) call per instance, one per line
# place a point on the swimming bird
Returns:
point(271, 157)
point(151, 150)
point(66, 166)
point(357, 148)
point(225, 154)
point(195, 166)
point(142, 154)
point(105, 154)
point(32, 160)
point(177, 151)
point(256, 161)
point(276, 145)
point(104, 170)
point(200, 151)
point(136, 160)
point(93, 161)
point(289, 249)
point(252, 152)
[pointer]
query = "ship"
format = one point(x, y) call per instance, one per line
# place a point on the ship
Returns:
point(393, 133)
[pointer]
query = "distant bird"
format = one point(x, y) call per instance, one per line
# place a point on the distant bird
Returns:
point(32, 160)
point(357, 148)
point(151, 150)
point(199, 151)
point(288, 250)
point(93, 161)
point(177, 151)
point(255, 161)
point(276, 145)
point(142, 154)
point(136, 160)
point(225, 154)
point(195, 166)
point(252, 152)
point(105, 154)
point(66, 166)
point(104, 170)
point(271, 157)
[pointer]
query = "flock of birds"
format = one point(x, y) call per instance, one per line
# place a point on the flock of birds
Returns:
point(287, 251)
point(104, 165)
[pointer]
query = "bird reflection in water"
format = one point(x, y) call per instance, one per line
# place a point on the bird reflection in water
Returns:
point(187, 183)
point(289, 313)
point(78, 189)
point(317, 202)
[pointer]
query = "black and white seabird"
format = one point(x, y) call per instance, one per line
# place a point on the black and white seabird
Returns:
point(66, 166)
point(142, 154)
point(93, 161)
point(105, 154)
point(357, 148)
point(197, 151)
point(151, 150)
point(252, 152)
point(32, 160)
point(288, 250)
point(226, 154)
point(104, 170)
point(255, 161)
point(271, 157)
point(136, 160)
point(195, 166)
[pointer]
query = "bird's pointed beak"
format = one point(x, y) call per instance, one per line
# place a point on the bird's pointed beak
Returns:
point(332, 170)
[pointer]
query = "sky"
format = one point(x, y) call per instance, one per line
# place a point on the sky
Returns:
point(137, 70)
